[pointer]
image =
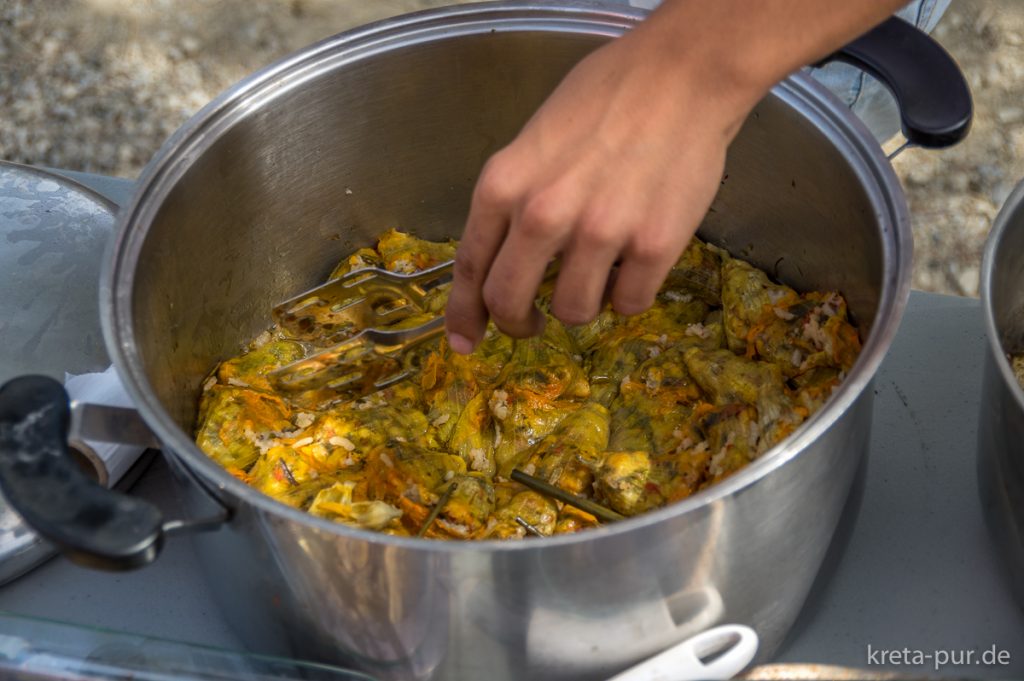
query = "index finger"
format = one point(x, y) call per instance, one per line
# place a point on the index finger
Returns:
point(466, 314)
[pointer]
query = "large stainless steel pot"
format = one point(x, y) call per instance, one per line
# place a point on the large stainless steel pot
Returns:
point(1001, 419)
point(257, 196)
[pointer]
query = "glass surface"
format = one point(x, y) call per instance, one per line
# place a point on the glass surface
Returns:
point(34, 649)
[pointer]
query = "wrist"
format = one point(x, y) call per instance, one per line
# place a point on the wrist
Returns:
point(724, 80)
point(735, 51)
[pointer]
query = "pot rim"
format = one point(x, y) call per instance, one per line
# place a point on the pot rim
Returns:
point(186, 145)
point(988, 267)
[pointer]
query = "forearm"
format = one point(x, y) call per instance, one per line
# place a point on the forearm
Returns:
point(741, 48)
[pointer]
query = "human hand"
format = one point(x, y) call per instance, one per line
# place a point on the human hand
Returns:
point(621, 162)
point(618, 166)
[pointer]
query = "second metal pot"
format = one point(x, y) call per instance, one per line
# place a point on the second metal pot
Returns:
point(1001, 419)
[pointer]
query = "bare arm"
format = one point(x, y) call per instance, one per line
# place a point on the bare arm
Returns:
point(622, 161)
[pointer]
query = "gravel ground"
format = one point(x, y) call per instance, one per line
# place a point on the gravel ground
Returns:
point(98, 85)
point(955, 194)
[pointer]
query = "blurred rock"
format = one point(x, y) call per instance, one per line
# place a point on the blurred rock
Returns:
point(969, 281)
point(1010, 114)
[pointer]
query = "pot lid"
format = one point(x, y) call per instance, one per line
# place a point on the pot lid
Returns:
point(53, 233)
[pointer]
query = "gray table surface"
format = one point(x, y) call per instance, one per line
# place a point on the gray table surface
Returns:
point(913, 572)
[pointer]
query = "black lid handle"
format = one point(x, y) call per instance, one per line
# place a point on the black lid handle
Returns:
point(932, 94)
point(90, 524)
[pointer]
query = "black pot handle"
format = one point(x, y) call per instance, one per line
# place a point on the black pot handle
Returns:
point(932, 94)
point(91, 525)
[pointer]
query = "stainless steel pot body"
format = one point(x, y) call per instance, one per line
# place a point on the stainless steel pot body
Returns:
point(260, 194)
point(1001, 419)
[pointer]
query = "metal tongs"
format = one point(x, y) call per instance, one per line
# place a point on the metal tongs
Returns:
point(357, 312)
point(353, 312)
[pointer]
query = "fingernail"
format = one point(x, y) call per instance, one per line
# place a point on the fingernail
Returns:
point(460, 344)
